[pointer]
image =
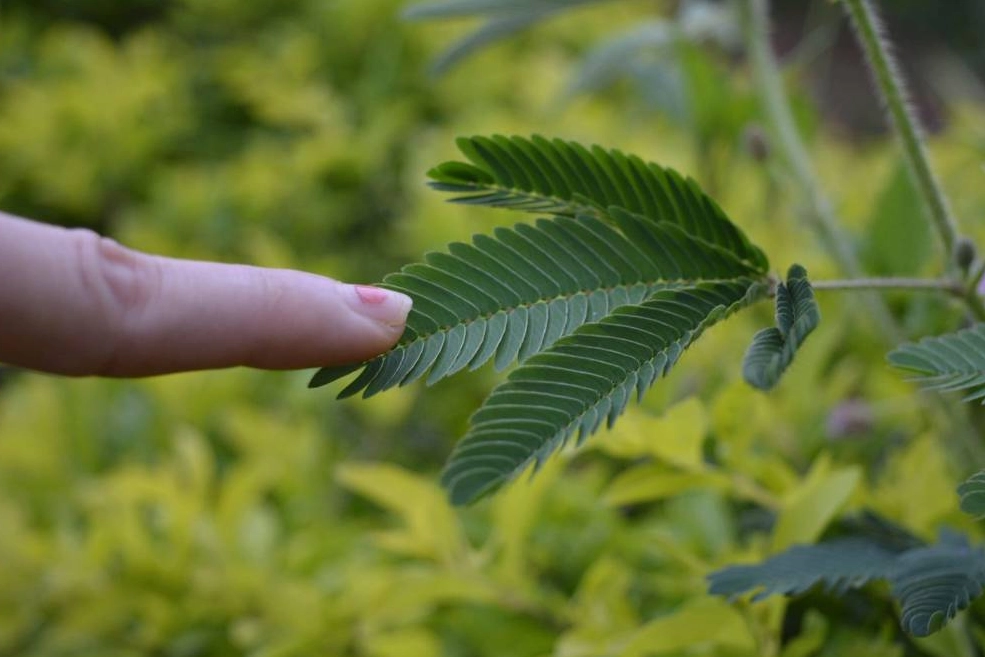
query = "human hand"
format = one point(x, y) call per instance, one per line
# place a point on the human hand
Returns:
point(74, 303)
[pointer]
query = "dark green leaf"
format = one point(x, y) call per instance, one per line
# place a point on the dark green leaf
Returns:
point(514, 294)
point(955, 361)
point(934, 583)
point(972, 493)
point(773, 349)
point(563, 178)
point(839, 565)
point(583, 380)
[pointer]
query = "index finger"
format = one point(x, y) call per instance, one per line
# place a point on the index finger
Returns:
point(72, 302)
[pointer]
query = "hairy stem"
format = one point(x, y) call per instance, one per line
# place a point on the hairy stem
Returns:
point(893, 90)
point(957, 289)
point(819, 210)
point(974, 278)
point(903, 284)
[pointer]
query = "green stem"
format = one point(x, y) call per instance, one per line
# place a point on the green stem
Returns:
point(975, 277)
point(964, 433)
point(820, 214)
point(893, 90)
point(971, 294)
point(891, 85)
point(904, 284)
point(957, 289)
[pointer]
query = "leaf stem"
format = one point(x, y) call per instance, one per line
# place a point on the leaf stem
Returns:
point(870, 34)
point(904, 284)
point(955, 288)
point(975, 277)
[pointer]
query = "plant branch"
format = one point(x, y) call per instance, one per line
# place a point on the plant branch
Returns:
point(975, 277)
point(820, 214)
point(955, 288)
point(892, 88)
point(903, 284)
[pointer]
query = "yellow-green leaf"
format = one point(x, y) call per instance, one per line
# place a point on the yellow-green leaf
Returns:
point(808, 509)
point(704, 622)
point(652, 482)
point(431, 529)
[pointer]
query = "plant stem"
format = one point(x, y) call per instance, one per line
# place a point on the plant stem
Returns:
point(891, 86)
point(969, 295)
point(820, 213)
point(976, 274)
point(905, 284)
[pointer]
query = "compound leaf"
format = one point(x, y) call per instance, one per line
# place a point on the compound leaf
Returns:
point(931, 583)
point(505, 18)
point(459, 8)
point(972, 493)
point(509, 296)
point(583, 380)
point(839, 565)
point(495, 29)
point(773, 349)
point(565, 178)
point(612, 59)
point(934, 583)
point(955, 361)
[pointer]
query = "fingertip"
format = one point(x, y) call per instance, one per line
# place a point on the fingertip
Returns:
point(327, 322)
point(385, 306)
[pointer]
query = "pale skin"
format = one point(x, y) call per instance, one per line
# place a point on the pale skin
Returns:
point(75, 303)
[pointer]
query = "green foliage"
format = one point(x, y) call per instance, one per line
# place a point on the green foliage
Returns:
point(505, 18)
point(946, 363)
point(257, 133)
point(623, 55)
point(838, 565)
point(932, 584)
point(660, 61)
point(513, 295)
point(772, 349)
point(234, 513)
point(583, 380)
point(972, 494)
point(593, 313)
point(565, 178)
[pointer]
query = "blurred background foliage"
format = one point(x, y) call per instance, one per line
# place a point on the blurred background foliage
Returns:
point(238, 513)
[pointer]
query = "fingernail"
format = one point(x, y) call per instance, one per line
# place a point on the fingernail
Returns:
point(381, 305)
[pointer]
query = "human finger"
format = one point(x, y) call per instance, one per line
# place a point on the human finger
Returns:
point(72, 302)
